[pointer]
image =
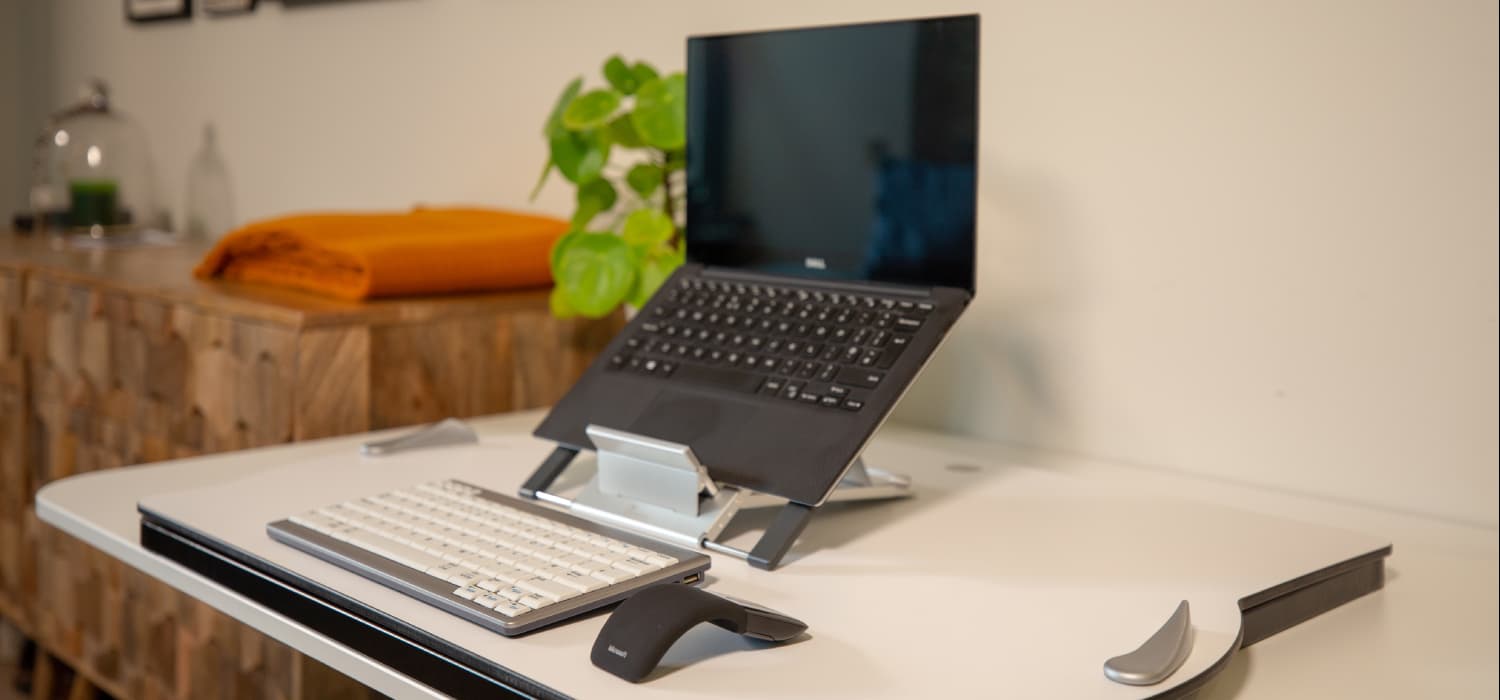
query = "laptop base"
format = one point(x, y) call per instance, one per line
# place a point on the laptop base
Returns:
point(659, 488)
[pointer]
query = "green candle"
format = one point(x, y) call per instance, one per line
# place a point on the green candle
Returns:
point(93, 202)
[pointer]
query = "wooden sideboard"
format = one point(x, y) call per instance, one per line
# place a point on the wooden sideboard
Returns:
point(117, 357)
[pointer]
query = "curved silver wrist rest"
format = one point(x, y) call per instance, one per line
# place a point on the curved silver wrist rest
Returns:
point(1159, 656)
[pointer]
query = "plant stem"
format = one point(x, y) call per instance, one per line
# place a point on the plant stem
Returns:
point(666, 190)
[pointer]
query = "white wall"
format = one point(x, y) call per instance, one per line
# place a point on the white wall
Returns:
point(1253, 240)
point(17, 125)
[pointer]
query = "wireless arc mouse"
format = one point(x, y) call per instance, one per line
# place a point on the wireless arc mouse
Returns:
point(642, 628)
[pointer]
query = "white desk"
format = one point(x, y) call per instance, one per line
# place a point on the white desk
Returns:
point(1431, 632)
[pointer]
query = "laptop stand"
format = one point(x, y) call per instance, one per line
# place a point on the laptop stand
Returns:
point(660, 488)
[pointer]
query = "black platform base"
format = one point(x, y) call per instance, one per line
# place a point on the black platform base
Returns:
point(452, 670)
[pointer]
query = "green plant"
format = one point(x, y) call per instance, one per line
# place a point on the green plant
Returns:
point(619, 249)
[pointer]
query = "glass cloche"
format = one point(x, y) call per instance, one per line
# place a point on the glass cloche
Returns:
point(93, 173)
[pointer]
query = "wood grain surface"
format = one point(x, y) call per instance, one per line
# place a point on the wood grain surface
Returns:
point(116, 358)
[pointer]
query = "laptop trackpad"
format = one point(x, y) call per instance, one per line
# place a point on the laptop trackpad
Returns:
point(687, 418)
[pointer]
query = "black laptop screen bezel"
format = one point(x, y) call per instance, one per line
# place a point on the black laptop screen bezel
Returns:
point(966, 27)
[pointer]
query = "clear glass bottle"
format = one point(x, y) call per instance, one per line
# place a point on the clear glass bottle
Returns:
point(92, 173)
point(209, 205)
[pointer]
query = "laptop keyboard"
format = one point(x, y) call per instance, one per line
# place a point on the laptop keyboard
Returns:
point(820, 348)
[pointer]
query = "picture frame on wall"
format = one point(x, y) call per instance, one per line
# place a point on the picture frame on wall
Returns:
point(157, 10)
point(228, 7)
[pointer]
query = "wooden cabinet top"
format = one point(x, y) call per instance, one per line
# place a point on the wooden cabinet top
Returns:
point(166, 273)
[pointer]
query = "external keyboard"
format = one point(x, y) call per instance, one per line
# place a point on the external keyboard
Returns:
point(822, 348)
point(504, 563)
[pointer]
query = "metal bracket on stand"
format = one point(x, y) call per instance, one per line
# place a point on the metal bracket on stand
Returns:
point(660, 488)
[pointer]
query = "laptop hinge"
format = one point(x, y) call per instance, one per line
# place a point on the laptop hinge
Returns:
point(840, 285)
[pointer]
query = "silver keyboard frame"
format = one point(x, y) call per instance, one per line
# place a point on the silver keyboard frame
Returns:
point(689, 569)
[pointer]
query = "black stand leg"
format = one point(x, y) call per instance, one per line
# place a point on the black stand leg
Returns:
point(548, 472)
point(777, 541)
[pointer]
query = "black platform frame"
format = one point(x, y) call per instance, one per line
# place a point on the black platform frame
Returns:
point(405, 648)
point(452, 670)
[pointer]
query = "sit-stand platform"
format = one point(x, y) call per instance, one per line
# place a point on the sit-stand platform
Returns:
point(1062, 574)
point(660, 488)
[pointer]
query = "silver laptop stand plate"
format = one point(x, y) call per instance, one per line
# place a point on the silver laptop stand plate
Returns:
point(659, 488)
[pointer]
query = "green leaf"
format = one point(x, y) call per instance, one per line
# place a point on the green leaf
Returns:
point(594, 196)
point(579, 156)
point(622, 132)
point(558, 302)
point(653, 271)
point(660, 114)
point(554, 120)
point(647, 228)
point(590, 110)
point(644, 179)
point(559, 247)
point(620, 76)
point(643, 73)
point(552, 126)
point(595, 272)
point(676, 160)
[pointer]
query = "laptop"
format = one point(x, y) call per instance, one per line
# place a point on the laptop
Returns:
point(830, 243)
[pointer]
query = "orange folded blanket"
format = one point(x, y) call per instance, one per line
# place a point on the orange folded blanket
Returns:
point(359, 256)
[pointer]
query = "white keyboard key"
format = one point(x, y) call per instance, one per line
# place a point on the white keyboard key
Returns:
point(530, 564)
point(469, 592)
point(535, 602)
point(641, 562)
point(473, 543)
point(581, 582)
point(598, 540)
point(511, 574)
point(584, 568)
point(571, 561)
point(473, 561)
point(602, 556)
point(336, 513)
point(431, 545)
point(630, 567)
point(403, 535)
point(524, 547)
point(444, 570)
point(609, 575)
point(490, 600)
point(489, 569)
point(464, 578)
point(393, 550)
point(511, 609)
point(660, 560)
point(553, 571)
point(547, 588)
point(491, 585)
point(563, 546)
point(315, 521)
point(506, 556)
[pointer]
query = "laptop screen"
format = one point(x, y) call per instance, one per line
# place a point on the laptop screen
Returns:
point(836, 153)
